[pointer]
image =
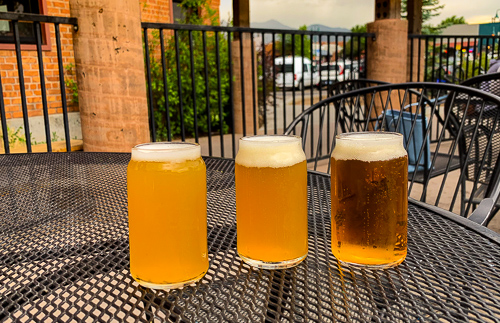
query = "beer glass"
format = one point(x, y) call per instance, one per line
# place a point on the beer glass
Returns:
point(167, 203)
point(271, 201)
point(369, 178)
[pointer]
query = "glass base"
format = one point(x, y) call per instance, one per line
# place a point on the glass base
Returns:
point(169, 286)
point(372, 267)
point(273, 265)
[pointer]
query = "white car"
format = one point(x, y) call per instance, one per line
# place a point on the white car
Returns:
point(331, 73)
point(295, 72)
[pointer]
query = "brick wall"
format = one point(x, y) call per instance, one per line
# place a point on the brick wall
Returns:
point(9, 70)
point(151, 11)
point(156, 11)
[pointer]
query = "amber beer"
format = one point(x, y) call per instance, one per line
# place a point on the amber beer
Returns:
point(369, 199)
point(167, 203)
point(271, 201)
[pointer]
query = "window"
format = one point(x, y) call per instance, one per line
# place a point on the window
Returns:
point(26, 29)
point(330, 67)
point(288, 68)
point(177, 11)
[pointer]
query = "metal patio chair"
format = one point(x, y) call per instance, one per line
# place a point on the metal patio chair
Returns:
point(351, 85)
point(454, 173)
point(488, 82)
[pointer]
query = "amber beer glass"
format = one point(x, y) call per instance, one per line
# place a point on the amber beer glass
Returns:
point(271, 201)
point(167, 206)
point(369, 199)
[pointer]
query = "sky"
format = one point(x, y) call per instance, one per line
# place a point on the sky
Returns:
point(348, 13)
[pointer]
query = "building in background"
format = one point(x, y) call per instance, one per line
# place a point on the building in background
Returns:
point(160, 11)
point(488, 29)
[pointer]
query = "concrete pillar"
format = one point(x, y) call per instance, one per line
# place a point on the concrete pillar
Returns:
point(110, 72)
point(387, 54)
point(388, 51)
point(243, 96)
point(242, 85)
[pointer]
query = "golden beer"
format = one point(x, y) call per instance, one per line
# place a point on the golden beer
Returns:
point(369, 199)
point(271, 201)
point(166, 184)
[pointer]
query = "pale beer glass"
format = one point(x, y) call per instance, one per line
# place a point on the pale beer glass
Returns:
point(271, 201)
point(369, 195)
point(167, 205)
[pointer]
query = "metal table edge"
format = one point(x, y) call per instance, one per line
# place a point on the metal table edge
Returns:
point(484, 231)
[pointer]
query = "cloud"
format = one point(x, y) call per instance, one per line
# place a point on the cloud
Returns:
point(294, 13)
point(347, 13)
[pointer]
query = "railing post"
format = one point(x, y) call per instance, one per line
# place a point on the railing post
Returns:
point(416, 56)
point(110, 70)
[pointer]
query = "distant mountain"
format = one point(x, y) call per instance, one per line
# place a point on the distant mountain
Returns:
point(319, 27)
point(274, 24)
point(270, 24)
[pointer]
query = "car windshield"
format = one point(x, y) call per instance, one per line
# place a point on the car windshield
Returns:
point(329, 68)
point(288, 68)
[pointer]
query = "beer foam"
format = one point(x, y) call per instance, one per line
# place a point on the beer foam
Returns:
point(270, 151)
point(369, 146)
point(166, 152)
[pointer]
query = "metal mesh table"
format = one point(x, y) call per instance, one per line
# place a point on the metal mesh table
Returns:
point(64, 257)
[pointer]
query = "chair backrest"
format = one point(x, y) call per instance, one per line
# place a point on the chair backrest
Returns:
point(442, 178)
point(351, 85)
point(488, 82)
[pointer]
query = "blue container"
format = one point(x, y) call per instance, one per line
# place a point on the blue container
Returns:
point(417, 140)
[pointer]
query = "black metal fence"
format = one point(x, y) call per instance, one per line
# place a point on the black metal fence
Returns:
point(450, 59)
point(215, 84)
point(34, 23)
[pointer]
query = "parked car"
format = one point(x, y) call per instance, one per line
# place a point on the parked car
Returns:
point(296, 72)
point(331, 73)
point(354, 69)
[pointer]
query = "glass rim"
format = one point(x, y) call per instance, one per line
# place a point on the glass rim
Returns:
point(370, 135)
point(188, 146)
point(249, 138)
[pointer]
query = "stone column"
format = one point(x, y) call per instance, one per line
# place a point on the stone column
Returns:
point(388, 51)
point(387, 54)
point(242, 86)
point(110, 73)
point(243, 96)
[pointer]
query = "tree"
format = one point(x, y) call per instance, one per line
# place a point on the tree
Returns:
point(196, 111)
point(297, 48)
point(436, 30)
point(450, 21)
point(359, 29)
point(430, 8)
point(355, 45)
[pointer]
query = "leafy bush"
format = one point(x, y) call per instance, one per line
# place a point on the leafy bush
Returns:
point(197, 112)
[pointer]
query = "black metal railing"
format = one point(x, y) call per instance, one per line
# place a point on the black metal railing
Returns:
point(36, 21)
point(450, 59)
point(213, 84)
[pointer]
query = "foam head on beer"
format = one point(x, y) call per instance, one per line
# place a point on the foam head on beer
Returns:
point(369, 146)
point(166, 152)
point(270, 151)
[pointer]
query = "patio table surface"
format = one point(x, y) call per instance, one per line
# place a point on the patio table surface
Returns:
point(64, 257)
